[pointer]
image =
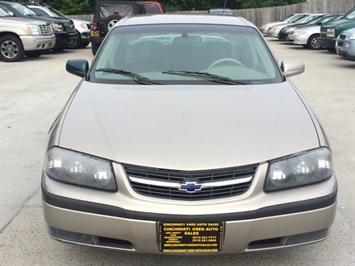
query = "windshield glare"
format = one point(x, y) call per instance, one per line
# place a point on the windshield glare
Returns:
point(23, 10)
point(237, 53)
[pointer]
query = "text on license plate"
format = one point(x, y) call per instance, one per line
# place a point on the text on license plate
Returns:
point(194, 237)
point(94, 33)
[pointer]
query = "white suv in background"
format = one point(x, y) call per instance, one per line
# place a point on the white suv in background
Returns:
point(21, 36)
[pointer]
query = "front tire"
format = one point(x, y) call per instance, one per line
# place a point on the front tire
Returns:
point(313, 43)
point(94, 48)
point(11, 48)
point(84, 44)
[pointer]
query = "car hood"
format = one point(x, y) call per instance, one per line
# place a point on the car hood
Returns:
point(187, 127)
point(333, 24)
point(348, 32)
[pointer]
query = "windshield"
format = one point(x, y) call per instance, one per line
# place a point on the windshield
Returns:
point(297, 18)
point(23, 10)
point(351, 14)
point(3, 13)
point(185, 54)
point(48, 12)
point(313, 18)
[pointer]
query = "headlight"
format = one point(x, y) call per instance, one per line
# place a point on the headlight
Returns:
point(331, 33)
point(79, 169)
point(83, 26)
point(290, 29)
point(352, 36)
point(33, 30)
point(299, 170)
point(57, 27)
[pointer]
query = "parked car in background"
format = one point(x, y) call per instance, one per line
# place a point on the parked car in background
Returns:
point(220, 11)
point(21, 36)
point(274, 30)
point(107, 14)
point(308, 36)
point(345, 44)
point(63, 29)
point(330, 32)
point(314, 19)
point(153, 7)
point(290, 19)
point(82, 27)
point(186, 136)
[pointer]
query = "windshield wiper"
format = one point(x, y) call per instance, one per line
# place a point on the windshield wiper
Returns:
point(136, 77)
point(207, 76)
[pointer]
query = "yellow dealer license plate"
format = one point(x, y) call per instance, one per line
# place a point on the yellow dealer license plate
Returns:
point(94, 33)
point(199, 237)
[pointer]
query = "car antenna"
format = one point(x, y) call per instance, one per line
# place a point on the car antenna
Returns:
point(224, 6)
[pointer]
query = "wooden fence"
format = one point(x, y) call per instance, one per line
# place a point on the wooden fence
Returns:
point(261, 16)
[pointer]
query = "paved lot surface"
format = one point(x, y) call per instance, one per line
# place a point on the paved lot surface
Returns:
point(32, 93)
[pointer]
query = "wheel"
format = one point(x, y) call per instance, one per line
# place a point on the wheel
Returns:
point(313, 43)
point(33, 54)
point(110, 21)
point(224, 61)
point(94, 48)
point(84, 44)
point(11, 48)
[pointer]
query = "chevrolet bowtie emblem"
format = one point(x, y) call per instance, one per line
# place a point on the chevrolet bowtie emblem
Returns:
point(190, 187)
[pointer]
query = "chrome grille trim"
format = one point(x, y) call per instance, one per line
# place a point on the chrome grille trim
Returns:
point(165, 183)
point(177, 185)
point(45, 29)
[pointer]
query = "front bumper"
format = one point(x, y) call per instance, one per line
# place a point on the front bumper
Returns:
point(298, 39)
point(127, 221)
point(35, 43)
point(328, 43)
point(273, 32)
point(65, 40)
point(346, 49)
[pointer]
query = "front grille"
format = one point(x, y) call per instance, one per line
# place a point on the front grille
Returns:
point(231, 182)
point(340, 44)
point(45, 29)
point(342, 37)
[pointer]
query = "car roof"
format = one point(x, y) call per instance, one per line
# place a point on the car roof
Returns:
point(184, 19)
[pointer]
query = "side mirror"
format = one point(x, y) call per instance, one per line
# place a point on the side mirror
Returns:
point(292, 67)
point(78, 67)
point(11, 13)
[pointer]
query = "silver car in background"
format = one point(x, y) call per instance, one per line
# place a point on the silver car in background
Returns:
point(307, 36)
point(273, 31)
point(345, 44)
point(185, 136)
point(290, 19)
